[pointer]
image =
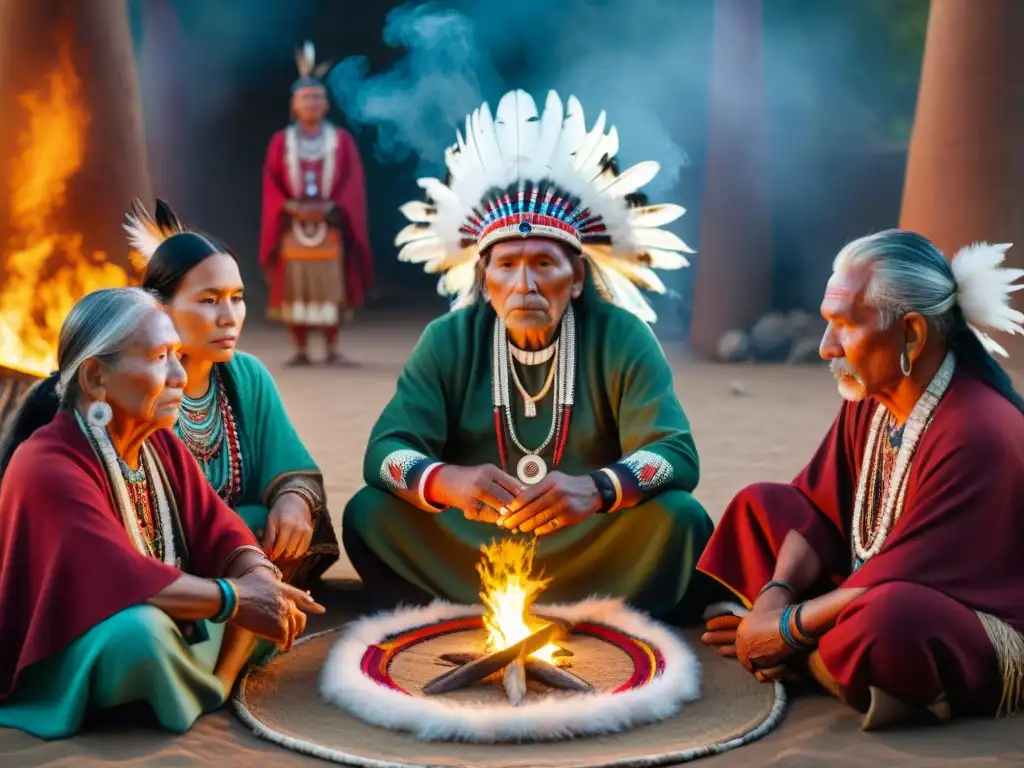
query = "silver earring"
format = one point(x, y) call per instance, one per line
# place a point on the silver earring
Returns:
point(905, 364)
point(99, 414)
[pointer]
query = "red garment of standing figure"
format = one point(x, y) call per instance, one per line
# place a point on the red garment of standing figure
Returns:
point(314, 243)
point(951, 562)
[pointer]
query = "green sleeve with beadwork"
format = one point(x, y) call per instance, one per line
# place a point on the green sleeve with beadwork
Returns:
point(406, 443)
point(658, 451)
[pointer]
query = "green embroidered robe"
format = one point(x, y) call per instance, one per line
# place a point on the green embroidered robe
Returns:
point(626, 418)
point(272, 452)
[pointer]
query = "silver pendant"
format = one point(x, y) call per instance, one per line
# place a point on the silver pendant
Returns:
point(531, 469)
point(529, 409)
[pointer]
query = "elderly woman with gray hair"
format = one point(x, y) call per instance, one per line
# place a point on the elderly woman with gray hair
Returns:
point(124, 578)
point(890, 568)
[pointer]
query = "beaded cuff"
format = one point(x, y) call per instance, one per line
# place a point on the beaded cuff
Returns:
point(639, 476)
point(405, 472)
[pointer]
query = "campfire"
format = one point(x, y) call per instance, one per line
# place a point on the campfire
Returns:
point(45, 268)
point(519, 646)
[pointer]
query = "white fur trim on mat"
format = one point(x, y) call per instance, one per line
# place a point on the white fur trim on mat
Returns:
point(551, 718)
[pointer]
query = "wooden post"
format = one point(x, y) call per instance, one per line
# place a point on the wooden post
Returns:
point(733, 285)
point(965, 169)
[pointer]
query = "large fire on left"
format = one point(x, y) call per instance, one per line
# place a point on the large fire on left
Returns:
point(46, 268)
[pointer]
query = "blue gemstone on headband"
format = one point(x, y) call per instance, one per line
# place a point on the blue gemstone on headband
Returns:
point(525, 228)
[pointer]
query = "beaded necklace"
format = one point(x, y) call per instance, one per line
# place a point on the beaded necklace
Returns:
point(207, 427)
point(882, 488)
point(532, 468)
point(142, 501)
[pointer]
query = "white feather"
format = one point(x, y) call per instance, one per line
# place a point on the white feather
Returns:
point(518, 131)
point(547, 140)
point(589, 143)
point(664, 259)
point(418, 211)
point(420, 251)
point(624, 293)
point(632, 179)
point(143, 236)
point(607, 146)
point(655, 215)
point(983, 292)
point(410, 233)
point(660, 238)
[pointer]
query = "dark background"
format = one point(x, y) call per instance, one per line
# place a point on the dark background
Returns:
point(840, 78)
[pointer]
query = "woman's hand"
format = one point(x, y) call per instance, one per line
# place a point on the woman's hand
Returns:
point(289, 528)
point(272, 609)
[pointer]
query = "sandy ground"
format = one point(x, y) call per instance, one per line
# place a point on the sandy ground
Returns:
point(750, 423)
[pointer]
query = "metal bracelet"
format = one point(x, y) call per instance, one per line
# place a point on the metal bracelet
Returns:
point(781, 584)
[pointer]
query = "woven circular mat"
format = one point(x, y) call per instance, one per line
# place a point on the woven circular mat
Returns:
point(282, 704)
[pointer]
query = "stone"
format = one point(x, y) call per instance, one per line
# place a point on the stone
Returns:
point(733, 347)
point(771, 338)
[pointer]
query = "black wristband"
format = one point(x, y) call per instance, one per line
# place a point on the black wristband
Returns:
point(605, 490)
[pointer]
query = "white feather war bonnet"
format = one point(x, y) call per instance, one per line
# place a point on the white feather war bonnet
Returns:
point(524, 174)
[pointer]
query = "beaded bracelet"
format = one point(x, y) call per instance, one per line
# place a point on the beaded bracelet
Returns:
point(812, 636)
point(781, 583)
point(787, 634)
point(229, 602)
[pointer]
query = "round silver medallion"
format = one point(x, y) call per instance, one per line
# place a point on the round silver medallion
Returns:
point(531, 469)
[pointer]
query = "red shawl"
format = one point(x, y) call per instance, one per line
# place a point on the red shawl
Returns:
point(349, 194)
point(66, 562)
point(962, 526)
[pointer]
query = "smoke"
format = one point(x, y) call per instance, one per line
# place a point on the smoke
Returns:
point(636, 59)
point(416, 105)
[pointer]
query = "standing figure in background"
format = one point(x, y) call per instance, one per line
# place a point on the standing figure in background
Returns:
point(314, 244)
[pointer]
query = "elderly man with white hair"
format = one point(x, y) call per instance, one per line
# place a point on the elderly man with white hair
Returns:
point(890, 569)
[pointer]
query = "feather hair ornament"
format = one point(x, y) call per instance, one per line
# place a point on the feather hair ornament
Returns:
point(305, 59)
point(146, 233)
point(983, 291)
point(524, 173)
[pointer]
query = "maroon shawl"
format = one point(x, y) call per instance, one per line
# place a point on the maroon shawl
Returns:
point(962, 525)
point(67, 563)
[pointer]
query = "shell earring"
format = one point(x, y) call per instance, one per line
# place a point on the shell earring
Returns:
point(99, 414)
point(905, 365)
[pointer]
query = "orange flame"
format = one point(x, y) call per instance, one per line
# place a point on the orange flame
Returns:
point(45, 269)
point(508, 590)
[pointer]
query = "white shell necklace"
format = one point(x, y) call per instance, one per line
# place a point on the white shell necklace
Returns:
point(918, 421)
point(532, 468)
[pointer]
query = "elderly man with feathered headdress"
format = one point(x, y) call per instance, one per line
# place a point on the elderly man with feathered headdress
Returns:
point(891, 568)
point(543, 403)
point(314, 241)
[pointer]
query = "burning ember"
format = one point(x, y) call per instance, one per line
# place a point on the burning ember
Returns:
point(518, 645)
point(45, 268)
